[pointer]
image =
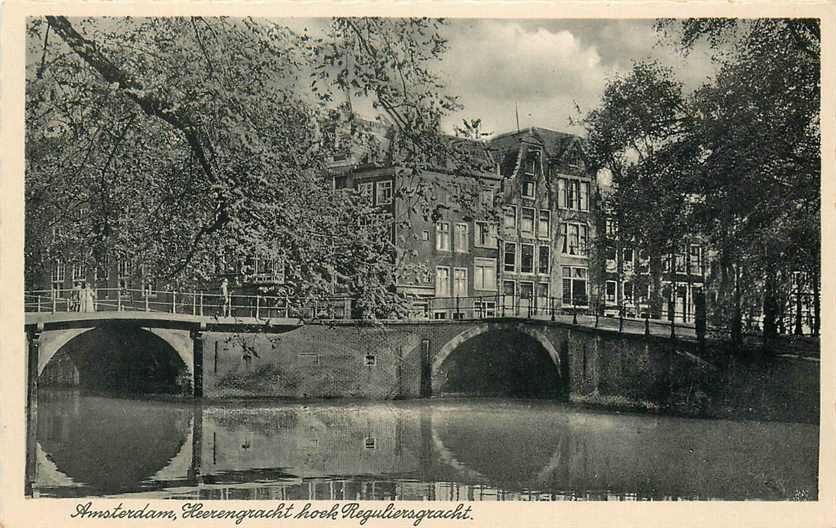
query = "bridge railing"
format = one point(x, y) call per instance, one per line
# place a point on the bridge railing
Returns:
point(213, 304)
point(182, 302)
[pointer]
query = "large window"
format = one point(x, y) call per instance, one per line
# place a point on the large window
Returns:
point(527, 221)
point(526, 258)
point(510, 217)
point(628, 292)
point(544, 225)
point(543, 260)
point(57, 276)
point(460, 240)
point(574, 286)
point(442, 281)
point(484, 274)
point(510, 257)
point(460, 282)
point(442, 236)
point(484, 235)
point(572, 194)
point(611, 291)
point(384, 192)
point(573, 239)
point(124, 269)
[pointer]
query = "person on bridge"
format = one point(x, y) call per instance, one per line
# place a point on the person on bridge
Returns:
point(227, 301)
point(87, 299)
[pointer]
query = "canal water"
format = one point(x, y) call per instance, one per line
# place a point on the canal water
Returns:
point(462, 449)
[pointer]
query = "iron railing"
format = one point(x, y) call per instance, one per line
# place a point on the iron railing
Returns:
point(265, 307)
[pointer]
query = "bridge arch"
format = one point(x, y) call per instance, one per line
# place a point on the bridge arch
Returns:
point(453, 344)
point(52, 341)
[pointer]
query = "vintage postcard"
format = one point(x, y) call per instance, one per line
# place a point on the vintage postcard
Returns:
point(417, 264)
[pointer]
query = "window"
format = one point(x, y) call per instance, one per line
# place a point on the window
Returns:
point(442, 282)
point(440, 315)
point(485, 235)
point(584, 197)
point(509, 289)
point(57, 275)
point(644, 266)
point(627, 254)
point(572, 194)
point(370, 443)
point(510, 257)
point(484, 274)
point(529, 189)
point(461, 238)
point(543, 260)
point(531, 163)
point(680, 263)
point(442, 236)
point(370, 361)
point(460, 282)
point(573, 239)
point(628, 292)
point(510, 216)
point(574, 286)
point(695, 259)
point(384, 192)
point(366, 190)
point(486, 197)
point(526, 290)
point(611, 230)
point(79, 274)
point(124, 269)
point(527, 221)
point(610, 291)
point(527, 258)
point(425, 235)
point(544, 225)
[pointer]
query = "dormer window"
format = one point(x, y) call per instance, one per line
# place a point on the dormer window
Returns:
point(532, 162)
point(529, 189)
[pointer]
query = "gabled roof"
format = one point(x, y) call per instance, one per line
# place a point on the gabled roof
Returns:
point(509, 148)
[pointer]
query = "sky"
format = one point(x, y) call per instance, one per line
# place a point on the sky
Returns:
point(544, 66)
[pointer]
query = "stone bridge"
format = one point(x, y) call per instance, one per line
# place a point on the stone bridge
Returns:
point(390, 359)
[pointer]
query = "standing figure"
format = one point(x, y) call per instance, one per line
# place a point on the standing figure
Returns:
point(227, 301)
point(75, 298)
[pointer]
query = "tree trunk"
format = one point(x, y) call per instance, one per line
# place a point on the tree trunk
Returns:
point(655, 286)
point(798, 328)
point(770, 305)
point(816, 303)
point(736, 316)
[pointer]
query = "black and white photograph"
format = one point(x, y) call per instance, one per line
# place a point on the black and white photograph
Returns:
point(370, 258)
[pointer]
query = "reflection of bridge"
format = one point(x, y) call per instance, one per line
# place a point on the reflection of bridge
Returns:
point(339, 452)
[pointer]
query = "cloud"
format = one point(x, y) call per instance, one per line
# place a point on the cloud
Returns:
point(505, 61)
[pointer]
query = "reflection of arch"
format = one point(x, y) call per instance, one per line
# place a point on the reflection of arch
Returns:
point(477, 330)
point(448, 458)
point(52, 341)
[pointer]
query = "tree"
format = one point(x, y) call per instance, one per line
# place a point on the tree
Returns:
point(759, 132)
point(636, 134)
point(178, 141)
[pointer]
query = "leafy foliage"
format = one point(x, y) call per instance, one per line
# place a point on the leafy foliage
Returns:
point(184, 143)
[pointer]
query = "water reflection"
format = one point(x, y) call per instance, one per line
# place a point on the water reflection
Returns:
point(440, 450)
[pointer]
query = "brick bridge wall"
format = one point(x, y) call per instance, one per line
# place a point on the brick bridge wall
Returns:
point(406, 360)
